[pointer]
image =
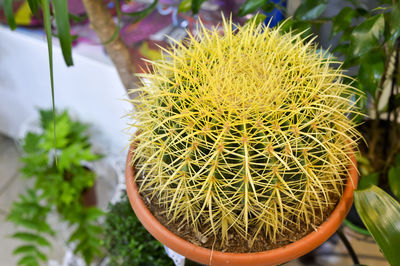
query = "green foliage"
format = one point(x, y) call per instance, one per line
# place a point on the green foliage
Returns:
point(298, 26)
point(342, 20)
point(127, 241)
point(394, 178)
point(34, 6)
point(381, 215)
point(8, 11)
point(57, 186)
point(367, 180)
point(310, 9)
point(257, 19)
point(251, 6)
point(87, 233)
point(45, 4)
point(139, 15)
point(395, 22)
point(195, 7)
point(372, 65)
point(63, 29)
point(30, 214)
point(367, 35)
point(368, 40)
point(60, 14)
point(184, 5)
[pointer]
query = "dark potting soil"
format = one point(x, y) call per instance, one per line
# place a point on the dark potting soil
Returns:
point(236, 243)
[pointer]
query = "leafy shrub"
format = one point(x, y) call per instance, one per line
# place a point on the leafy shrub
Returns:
point(126, 240)
point(57, 186)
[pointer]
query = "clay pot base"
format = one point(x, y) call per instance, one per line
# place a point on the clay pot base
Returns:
point(214, 257)
point(236, 243)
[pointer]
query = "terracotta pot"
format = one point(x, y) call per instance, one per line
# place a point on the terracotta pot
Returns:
point(89, 197)
point(270, 257)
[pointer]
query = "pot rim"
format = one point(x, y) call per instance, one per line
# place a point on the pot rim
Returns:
point(212, 257)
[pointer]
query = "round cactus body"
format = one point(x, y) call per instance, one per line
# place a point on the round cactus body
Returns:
point(245, 131)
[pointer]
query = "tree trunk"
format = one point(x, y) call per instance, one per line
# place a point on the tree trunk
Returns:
point(103, 24)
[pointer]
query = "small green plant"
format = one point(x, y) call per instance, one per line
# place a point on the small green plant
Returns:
point(56, 187)
point(367, 39)
point(126, 240)
point(247, 131)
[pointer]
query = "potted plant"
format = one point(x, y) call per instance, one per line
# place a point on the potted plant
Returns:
point(367, 40)
point(245, 147)
point(66, 187)
point(127, 242)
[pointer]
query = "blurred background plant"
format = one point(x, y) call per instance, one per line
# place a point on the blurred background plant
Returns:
point(124, 28)
point(366, 39)
point(66, 188)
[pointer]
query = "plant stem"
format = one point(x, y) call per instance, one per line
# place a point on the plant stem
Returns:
point(375, 123)
point(348, 246)
point(391, 132)
point(390, 103)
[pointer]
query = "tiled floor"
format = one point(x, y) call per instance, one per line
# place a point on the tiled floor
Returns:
point(329, 255)
point(11, 185)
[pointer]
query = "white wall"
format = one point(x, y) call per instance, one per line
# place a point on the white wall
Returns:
point(91, 89)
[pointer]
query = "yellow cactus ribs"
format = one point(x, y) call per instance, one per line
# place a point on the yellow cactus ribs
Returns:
point(246, 131)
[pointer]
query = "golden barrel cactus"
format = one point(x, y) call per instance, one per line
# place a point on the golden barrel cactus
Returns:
point(245, 131)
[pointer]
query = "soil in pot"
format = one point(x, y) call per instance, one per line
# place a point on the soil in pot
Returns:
point(236, 243)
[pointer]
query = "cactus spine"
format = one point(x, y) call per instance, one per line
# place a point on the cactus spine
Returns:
point(247, 131)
